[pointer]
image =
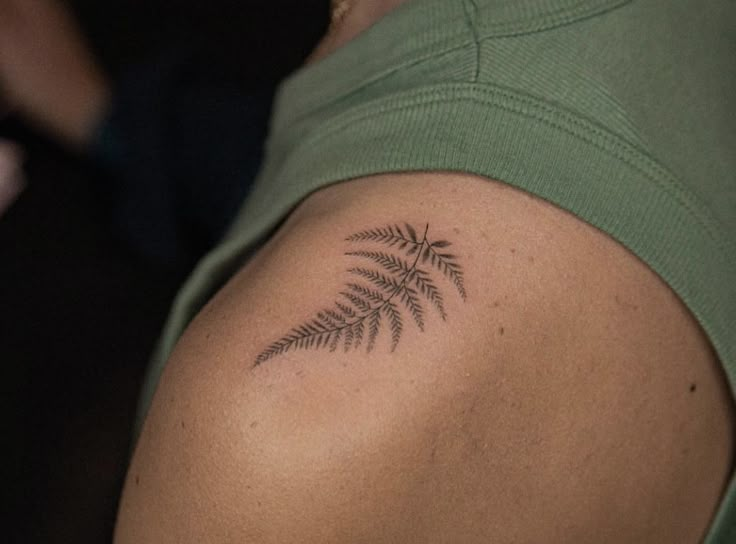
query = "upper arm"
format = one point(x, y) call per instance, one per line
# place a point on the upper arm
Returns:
point(545, 397)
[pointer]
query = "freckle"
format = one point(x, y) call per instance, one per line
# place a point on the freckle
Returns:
point(693, 387)
point(137, 479)
point(259, 503)
point(513, 250)
point(501, 330)
point(182, 425)
point(531, 260)
point(207, 336)
point(456, 230)
point(496, 304)
point(254, 425)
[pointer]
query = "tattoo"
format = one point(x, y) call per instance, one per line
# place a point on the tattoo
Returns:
point(397, 280)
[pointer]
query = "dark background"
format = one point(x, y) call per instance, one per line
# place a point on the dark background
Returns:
point(79, 310)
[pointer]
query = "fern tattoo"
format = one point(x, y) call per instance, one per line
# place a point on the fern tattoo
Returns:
point(391, 283)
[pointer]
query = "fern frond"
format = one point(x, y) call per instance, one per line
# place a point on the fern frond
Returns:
point(370, 294)
point(277, 348)
point(319, 339)
point(348, 337)
point(372, 235)
point(317, 325)
point(408, 298)
point(445, 263)
point(374, 320)
point(394, 322)
point(332, 314)
point(390, 262)
point(359, 302)
point(302, 338)
point(426, 253)
point(388, 284)
point(440, 244)
point(344, 308)
point(358, 327)
point(390, 235)
point(327, 320)
point(336, 335)
point(426, 286)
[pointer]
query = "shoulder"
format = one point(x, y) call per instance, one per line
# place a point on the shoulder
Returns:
point(527, 378)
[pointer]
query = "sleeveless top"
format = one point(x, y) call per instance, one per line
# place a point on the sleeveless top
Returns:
point(619, 111)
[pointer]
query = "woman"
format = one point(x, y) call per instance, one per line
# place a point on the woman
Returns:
point(481, 291)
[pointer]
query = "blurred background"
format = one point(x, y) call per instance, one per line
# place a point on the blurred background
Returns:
point(81, 304)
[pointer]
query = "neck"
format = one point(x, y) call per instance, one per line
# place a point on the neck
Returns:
point(352, 17)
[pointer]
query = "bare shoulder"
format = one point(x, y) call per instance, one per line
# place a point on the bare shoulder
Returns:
point(435, 358)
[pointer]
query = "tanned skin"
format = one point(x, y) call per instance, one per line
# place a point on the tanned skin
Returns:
point(568, 397)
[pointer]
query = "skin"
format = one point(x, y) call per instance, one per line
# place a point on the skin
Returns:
point(48, 72)
point(555, 404)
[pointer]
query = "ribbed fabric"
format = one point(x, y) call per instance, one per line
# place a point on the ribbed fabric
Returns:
point(587, 104)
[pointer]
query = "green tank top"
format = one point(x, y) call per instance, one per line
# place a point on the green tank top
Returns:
point(619, 111)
